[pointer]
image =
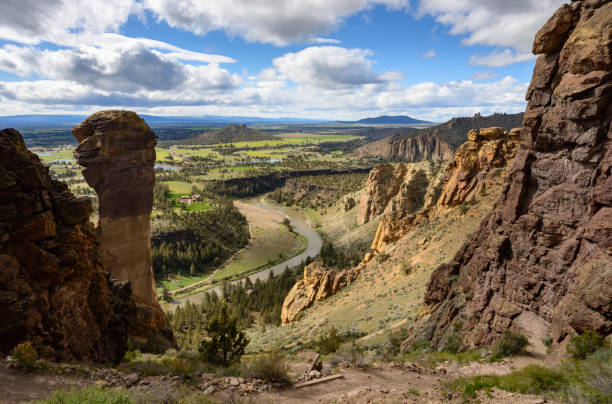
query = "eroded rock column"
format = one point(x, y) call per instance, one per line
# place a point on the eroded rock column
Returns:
point(117, 149)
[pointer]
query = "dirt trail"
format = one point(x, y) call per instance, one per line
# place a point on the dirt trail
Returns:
point(18, 387)
point(390, 383)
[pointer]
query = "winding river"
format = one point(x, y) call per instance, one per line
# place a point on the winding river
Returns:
point(300, 225)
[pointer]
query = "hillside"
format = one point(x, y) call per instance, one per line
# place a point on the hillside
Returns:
point(230, 134)
point(437, 142)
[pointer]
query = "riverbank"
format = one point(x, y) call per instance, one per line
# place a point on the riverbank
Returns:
point(267, 212)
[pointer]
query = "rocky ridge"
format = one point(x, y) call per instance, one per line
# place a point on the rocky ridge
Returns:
point(54, 290)
point(542, 260)
point(117, 149)
point(437, 142)
point(486, 151)
point(399, 189)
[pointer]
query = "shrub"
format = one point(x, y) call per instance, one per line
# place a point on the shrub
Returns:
point(581, 346)
point(132, 355)
point(454, 342)
point(329, 343)
point(547, 342)
point(510, 343)
point(382, 257)
point(589, 380)
point(351, 353)
point(25, 355)
point(271, 367)
point(532, 379)
point(90, 395)
point(226, 343)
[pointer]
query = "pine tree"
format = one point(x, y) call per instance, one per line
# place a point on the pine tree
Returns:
point(226, 343)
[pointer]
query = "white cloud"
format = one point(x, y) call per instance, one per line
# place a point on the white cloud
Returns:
point(127, 66)
point(33, 21)
point(329, 67)
point(432, 101)
point(483, 76)
point(500, 23)
point(429, 54)
point(500, 58)
point(321, 40)
point(269, 21)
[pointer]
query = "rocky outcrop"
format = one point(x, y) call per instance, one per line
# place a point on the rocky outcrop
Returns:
point(545, 251)
point(399, 190)
point(117, 149)
point(437, 142)
point(413, 147)
point(485, 150)
point(305, 193)
point(54, 291)
point(318, 284)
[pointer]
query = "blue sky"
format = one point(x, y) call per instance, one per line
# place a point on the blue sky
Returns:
point(341, 59)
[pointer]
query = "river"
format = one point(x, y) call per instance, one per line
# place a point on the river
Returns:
point(300, 225)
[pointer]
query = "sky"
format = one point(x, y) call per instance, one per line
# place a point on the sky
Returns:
point(316, 59)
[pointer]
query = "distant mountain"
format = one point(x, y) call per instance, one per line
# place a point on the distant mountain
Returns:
point(437, 142)
point(230, 134)
point(387, 120)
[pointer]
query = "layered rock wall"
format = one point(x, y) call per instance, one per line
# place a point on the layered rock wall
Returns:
point(54, 291)
point(438, 142)
point(318, 284)
point(485, 150)
point(400, 189)
point(543, 258)
point(117, 149)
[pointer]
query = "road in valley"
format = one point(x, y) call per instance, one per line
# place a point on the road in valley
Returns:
point(300, 226)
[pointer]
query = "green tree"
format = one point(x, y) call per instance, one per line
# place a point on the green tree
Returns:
point(225, 343)
point(166, 294)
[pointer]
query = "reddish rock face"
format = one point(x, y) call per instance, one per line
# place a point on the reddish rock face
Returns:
point(544, 253)
point(485, 150)
point(53, 288)
point(117, 149)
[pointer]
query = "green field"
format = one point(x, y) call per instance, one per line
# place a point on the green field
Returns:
point(179, 281)
point(179, 187)
point(269, 247)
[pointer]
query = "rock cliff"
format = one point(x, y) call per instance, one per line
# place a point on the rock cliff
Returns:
point(400, 189)
point(485, 150)
point(543, 258)
point(318, 284)
point(438, 142)
point(53, 288)
point(476, 161)
point(117, 149)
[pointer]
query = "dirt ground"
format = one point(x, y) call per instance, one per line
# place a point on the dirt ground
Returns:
point(19, 387)
point(389, 383)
